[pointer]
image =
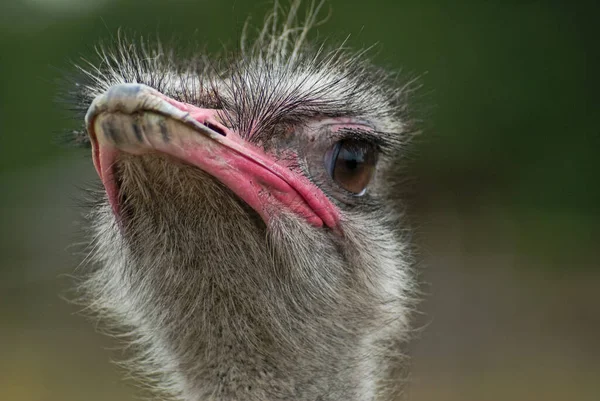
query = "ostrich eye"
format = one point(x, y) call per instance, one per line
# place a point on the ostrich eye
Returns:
point(351, 164)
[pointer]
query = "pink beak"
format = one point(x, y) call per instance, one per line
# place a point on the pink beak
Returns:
point(136, 119)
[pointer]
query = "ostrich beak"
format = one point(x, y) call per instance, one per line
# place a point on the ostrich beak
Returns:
point(136, 119)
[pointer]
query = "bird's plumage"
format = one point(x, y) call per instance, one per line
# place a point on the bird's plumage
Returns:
point(218, 304)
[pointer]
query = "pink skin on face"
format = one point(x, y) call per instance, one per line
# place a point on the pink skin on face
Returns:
point(256, 177)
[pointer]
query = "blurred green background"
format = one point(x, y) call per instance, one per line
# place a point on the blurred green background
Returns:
point(505, 195)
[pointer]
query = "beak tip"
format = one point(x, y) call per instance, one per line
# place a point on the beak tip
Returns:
point(125, 97)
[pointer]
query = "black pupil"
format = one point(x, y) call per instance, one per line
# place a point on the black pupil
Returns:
point(351, 164)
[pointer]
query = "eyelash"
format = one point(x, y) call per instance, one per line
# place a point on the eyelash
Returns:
point(371, 138)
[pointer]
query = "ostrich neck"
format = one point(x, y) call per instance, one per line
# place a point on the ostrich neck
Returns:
point(224, 311)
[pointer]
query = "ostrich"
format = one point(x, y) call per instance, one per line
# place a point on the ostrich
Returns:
point(249, 243)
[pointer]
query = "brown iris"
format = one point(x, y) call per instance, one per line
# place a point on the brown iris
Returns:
point(351, 164)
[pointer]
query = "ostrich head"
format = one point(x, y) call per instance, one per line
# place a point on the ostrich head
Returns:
point(249, 242)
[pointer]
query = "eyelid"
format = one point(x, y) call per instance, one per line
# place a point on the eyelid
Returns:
point(385, 142)
point(369, 137)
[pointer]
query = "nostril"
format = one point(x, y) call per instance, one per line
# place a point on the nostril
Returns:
point(215, 128)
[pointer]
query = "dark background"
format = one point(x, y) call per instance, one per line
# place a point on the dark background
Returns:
point(505, 195)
